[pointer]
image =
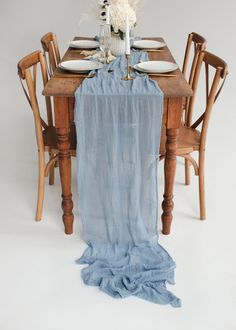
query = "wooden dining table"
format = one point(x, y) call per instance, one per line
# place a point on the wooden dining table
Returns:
point(62, 86)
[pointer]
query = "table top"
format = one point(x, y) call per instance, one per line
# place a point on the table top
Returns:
point(171, 87)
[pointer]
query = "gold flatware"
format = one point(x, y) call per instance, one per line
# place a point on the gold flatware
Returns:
point(161, 75)
point(79, 75)
point(154, 50)
point(153, 74)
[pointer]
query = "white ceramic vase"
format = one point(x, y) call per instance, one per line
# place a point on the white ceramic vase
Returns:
point(117, 45)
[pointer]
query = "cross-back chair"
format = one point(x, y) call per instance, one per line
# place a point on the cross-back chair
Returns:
point(195, 44)
point(45, 130)
point(198, 43)
point(193, 138)
point(51, 52)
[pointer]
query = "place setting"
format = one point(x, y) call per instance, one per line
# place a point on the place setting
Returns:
point(96, 59)
point(83, 68)
point(149, 45)
point(78, 68)
point(107, 46)
point(156, 68)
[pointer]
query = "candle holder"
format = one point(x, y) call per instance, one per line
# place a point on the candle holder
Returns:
point(127, 77)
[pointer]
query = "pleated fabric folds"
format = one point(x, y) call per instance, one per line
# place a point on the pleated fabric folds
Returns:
point(118, 125)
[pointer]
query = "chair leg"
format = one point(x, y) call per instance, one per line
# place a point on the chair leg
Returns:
point(41, 186)
point(52, 172)
point(202, 186)
point(187, 172)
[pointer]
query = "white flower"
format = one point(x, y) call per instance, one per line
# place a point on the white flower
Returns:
point(118, 2)
point(118, 14)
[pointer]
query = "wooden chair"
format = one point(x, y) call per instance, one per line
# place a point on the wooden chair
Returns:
point(195, 44)
point(45, 131)
point(190, 138)
point(198, 43)
point(51, 51)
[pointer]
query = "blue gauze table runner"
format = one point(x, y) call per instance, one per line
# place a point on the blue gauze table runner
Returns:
point(118, 126)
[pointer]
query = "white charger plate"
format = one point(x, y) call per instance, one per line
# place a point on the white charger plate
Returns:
point(80, 66)
point(148, 44)
point(84, 44)
point(156, 67)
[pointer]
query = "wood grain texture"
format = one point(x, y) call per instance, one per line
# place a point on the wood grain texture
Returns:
point(176, 87)
point(195, 44)
point(51, 51)
point(174, 112)
point(62, 124)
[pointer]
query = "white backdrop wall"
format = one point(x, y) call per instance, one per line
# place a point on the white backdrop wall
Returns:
point(22, 23)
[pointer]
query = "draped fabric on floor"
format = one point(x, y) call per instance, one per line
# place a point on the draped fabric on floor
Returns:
point(118, 126)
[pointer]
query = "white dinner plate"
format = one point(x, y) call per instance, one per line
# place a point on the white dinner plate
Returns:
point(84, 44)
point(156, 67)
point(148, 44)
point(80, 66)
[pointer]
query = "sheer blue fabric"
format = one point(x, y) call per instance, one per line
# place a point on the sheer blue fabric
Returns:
point(118, 126)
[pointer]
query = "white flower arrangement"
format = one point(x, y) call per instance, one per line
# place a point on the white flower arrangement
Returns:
point(119, 9)
point(118, 14)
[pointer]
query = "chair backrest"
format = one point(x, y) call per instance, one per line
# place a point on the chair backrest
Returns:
point(195, 44)
point(51, 51)
point(27, 71)
point(198, 43)
point(214, 86)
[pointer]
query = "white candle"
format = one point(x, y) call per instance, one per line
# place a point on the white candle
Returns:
point(127, 39)
point(108, 14)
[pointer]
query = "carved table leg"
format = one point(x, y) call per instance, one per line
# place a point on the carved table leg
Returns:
point(174, 113)
point(170, 167)
point(62, 123)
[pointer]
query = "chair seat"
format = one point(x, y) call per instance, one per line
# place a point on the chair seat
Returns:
point(50, 137)
point(188, 140)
